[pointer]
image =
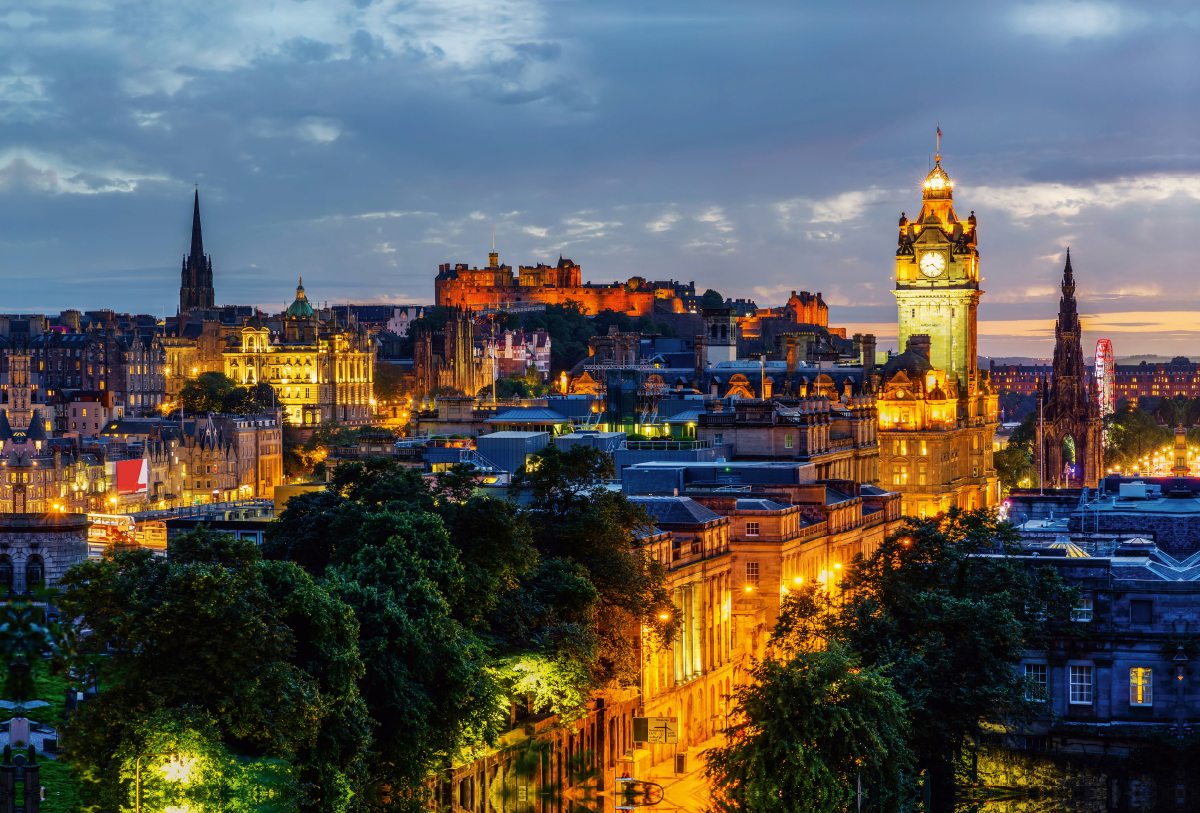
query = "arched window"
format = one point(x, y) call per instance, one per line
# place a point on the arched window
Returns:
point(35, 572)
point(6, 572)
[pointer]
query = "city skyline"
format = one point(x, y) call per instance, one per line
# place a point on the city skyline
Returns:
point(362, 145)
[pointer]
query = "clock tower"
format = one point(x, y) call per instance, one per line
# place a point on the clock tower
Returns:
point(937, 280)
point(937, 411)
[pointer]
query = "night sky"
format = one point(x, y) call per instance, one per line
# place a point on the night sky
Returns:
point(753, 147)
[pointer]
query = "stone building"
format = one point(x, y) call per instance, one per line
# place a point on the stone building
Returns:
point(687, 680)
point(196, 276)
point(321, 371)
point(478, 288)
point(1071, 404)
point(937, 411)
point(38, 548)
point(451, 361)
point(838, 436)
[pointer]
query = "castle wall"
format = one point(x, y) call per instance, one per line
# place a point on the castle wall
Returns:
point(592, 299)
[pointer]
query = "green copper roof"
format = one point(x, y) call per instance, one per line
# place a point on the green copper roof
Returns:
point(300, 309)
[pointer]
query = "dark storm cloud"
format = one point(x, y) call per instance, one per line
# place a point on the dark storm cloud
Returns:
point(756, 148)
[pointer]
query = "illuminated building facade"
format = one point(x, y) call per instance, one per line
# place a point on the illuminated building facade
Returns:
point(496, 285)
point(321, 371)
point(937, 411)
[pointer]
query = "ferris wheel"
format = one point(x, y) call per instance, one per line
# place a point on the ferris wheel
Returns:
point(1105, 377)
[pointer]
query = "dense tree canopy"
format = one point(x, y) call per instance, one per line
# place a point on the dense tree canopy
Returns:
point(1132, 435)
point(572, 516)
point(257, 652)
point(949, 618)
point(471, 606)
point(1015, 462)
point(217, 392)
point(712, 299)
point(811, 728)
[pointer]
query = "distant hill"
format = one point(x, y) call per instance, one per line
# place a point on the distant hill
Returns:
point(985, 361)
point(1151, 359)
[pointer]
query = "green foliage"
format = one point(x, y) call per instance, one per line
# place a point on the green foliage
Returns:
point(329, 434)
point(949, 624)
point(570, 329)
point(712, 299)
point(217, 392)
point(62, 790)
point(1015, 467)
point(1132, 434)
point(812, 727)
point(461, 616)
point(257, 657)
point(573, 517)
point(390, 384)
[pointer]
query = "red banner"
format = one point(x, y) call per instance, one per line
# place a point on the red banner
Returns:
point(133, 477)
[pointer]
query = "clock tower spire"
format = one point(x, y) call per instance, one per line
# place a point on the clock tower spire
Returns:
point(937, 411)
point(937, 279)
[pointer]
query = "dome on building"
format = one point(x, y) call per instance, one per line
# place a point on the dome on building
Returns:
point(300, 309)
point(914, 361)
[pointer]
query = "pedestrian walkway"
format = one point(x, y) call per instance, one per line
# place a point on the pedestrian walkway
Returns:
point(688, 792)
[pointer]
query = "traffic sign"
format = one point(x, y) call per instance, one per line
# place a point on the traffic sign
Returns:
point(656, 729)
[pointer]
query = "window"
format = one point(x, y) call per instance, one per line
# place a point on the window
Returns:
point(1141, 686)
point(1081, 685)
point(1035, 673)
point(751, 529)
point(788, 440)
point(1141, 612)
point(718, 439)
point(752, 573)
point(1083, 612)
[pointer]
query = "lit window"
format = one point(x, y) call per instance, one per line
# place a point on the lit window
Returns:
point(752, 573)
point(1141, 686)
point(1081, 685)
point(1083, 612)
point(752, 530)
point(1036, 673)
point(788, 440)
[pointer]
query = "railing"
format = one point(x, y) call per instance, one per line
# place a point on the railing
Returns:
point(665, 445)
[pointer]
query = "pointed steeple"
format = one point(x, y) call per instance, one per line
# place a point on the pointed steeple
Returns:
point(1068, 283)
point(197, 238)
point(196, 277)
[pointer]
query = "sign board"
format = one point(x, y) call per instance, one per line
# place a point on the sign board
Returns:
point(656, 729)
point(133, 476)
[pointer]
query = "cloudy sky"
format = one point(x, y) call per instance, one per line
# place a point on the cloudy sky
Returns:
point(754, 147)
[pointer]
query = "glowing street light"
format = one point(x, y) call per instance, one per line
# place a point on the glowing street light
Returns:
point(178, 769)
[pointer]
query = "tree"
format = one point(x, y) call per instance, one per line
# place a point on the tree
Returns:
point(207, 392)
point(217, 392)
point(812, 729)
point(1132, 435)
point(712, 299)
point(949, 619)
point(1015, 462)
point(573, 517)
point(262, 653)
point(390, 383)
point(460, 614)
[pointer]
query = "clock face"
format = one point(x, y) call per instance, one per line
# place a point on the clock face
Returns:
point(933, 265)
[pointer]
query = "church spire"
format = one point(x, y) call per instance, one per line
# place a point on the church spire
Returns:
point(1068, 283)
point(196, 279)
point(197, 238)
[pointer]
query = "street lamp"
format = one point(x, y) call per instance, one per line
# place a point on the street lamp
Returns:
point(1180, 660)
point(178, 769)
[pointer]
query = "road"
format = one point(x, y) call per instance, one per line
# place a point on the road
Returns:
point(684, 793)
